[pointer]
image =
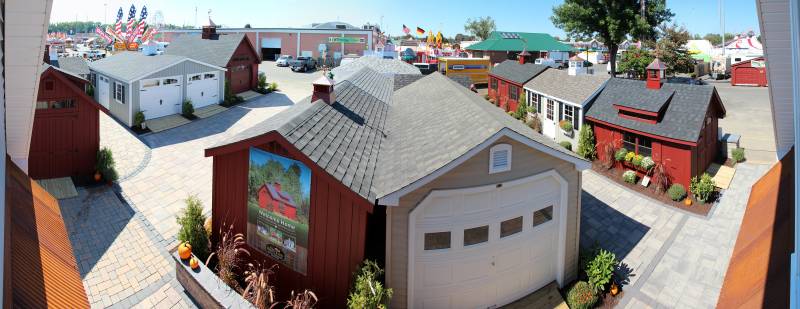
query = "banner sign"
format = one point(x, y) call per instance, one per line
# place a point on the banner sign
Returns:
point(278, 208)
point(346, 40)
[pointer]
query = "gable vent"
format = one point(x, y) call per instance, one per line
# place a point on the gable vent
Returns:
point(500, 158)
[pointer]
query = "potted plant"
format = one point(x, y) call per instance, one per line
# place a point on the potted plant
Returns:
point(620, 154)
point(566, 127)
point(629, 156)
point(702, 187)
point(647, 163)
point(629, 176)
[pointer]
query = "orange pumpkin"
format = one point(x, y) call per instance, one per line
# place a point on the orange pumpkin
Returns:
point(614, 289)
point(185, 250)
point(687, 202)
point(97, 176)
point(194, 263)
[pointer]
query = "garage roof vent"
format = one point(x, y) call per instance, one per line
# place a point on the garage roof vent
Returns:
point(499, 158)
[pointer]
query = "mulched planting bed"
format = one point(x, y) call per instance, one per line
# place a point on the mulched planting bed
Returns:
point(190, 117)
point(615, 174)
point(138, 130)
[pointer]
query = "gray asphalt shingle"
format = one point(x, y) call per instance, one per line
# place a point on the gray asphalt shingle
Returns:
point(131, 65)
point(383, 66)
point(74, 65)
point(686, 107)
point(515, 72)
point(216, 52)
point(557, 83)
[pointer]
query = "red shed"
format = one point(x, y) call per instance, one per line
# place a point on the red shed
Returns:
point(271, 197)
point(66, 127)
point(674, 124)
point(232, 51)
point(751, 72)
point(506, 81)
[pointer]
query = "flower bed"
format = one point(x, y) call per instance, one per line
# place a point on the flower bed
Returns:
point(207, 290)
point(615, 174)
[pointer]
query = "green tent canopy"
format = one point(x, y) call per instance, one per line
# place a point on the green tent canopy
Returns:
point(515, 41)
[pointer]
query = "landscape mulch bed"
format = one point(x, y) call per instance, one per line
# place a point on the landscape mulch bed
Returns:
point(615, 174)
point(139, 131)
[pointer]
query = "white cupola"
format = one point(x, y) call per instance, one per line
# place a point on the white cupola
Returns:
point(576, 66)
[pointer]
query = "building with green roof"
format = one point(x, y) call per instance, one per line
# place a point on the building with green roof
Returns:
point(501, 45)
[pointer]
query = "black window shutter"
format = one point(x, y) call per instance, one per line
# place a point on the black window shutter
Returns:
point(560, 111)
point(575, 118)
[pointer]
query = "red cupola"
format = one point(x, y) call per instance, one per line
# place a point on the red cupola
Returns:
point(655, 72)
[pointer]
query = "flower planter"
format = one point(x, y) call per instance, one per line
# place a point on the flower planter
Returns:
point(207, 290)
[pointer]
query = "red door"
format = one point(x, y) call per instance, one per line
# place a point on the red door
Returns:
point(53, 146)
point(240, 78)
point(502, 94)
point(748, 76)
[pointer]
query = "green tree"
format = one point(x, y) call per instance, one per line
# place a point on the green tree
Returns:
point(367, 290)
point(716, 39)
point(191, 227)
point(610, 20)
point(480, 27)
point(635, 61)
point(586, 146)
point(671, 49)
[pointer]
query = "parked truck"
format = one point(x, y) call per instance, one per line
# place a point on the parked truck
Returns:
point(477, 69)
point(720, 67)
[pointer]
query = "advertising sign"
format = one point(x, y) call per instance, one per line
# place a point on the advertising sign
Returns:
point(278, 208)
point(346, 40)
point(119, 45)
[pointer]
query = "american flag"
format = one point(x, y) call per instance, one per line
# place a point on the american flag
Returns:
point(118, 26)
point(142, 24)
point(131, 19)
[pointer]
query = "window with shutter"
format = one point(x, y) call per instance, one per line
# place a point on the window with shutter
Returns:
point(500, 158)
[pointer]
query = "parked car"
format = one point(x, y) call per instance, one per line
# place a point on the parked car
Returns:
point(303, 64)
point(549, 62)
point(283, 60)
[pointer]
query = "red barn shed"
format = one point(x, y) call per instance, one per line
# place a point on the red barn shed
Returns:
point(271, 197)
point(232, 51)
point(674, 124)
point(751, 72)
point(66, 127)
point(506, 81)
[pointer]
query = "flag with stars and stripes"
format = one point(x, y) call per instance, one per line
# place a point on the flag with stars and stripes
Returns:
point(131, 20)
point(118, 25)
point(142, 24)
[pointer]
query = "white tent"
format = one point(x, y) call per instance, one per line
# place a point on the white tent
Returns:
point(699, 47)
point(745, 45)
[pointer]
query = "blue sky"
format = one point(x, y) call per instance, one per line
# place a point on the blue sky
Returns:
point(699, 16)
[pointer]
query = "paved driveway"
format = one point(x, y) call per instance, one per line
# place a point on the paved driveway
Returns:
point(296, 85)
point(749, 114)
point(672, 258)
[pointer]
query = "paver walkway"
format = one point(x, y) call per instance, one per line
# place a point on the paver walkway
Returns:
point(674, 259)
point(130, 154)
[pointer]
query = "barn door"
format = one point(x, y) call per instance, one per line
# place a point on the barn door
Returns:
point(53, 146)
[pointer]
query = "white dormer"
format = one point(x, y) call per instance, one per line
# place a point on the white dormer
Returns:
point(499, 158)
point(576, 66)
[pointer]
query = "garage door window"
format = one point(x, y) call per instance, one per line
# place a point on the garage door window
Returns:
point(543, 215)
point(210, 76)
point(195, 77)
point(170, 81)
point(150, 83)
point(510, 227)
point(476, 235)
point(437, 241)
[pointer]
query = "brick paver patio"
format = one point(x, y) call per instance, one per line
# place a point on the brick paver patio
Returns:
point(130, 154)
point(675, 259)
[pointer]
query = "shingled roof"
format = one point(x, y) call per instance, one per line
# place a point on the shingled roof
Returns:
point(74, 65)
point(685, 110)
point(380, 65)
point(217, 51)
point(557, 83)
point(130, 65)
point(519, 73)
point(376, 140)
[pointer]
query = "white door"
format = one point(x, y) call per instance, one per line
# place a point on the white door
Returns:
point(550, 119)
point(103, 89)
point(203, 88)
point(159, 97)
point(485, 247)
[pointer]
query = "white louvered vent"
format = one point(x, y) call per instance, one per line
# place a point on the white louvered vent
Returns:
point(500, 158)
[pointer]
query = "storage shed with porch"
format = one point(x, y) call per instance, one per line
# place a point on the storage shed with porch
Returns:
point(232, 51)
point(752, 72)
point(66, 127)
point(506, 81)
point(130, 82)
point(446, 214)
point(675, 124)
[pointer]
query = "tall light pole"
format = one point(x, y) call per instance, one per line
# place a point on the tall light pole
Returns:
point(722, 23)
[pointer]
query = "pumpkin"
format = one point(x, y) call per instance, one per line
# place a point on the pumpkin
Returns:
point(614, 289)
point(194, 263)
point(185, 250)
point(97, 176)
point(687, 202)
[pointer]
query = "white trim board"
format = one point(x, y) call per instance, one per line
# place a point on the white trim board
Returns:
point(562, 223)
point(393, 198)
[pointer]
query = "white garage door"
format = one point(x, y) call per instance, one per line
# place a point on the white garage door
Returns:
point(271, 43)
point(159, 97)
point(203, 88)
point(487, 246)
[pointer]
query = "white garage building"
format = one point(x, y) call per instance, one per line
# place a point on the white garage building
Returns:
point(130, 82)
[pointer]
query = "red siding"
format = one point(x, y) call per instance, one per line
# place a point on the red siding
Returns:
point(337, 223)
point(242, 68)
point(500, 95)
point(743, 73)
point(65, 141)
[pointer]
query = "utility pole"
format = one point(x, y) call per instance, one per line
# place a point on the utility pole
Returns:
point(722, 23)
point(105, 12)
point(642, 13)
point(195, 16)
